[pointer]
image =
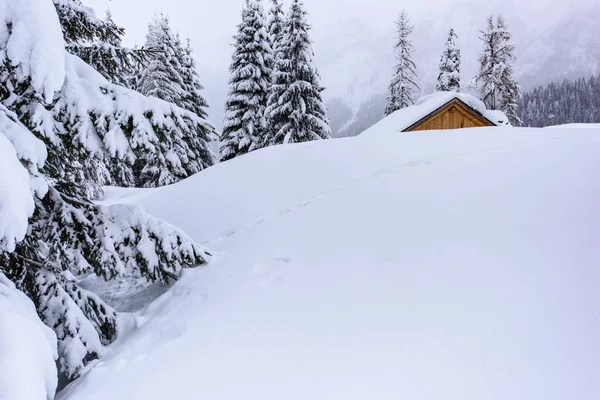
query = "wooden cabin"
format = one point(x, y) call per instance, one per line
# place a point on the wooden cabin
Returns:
point(440, 111)
point(454, 114)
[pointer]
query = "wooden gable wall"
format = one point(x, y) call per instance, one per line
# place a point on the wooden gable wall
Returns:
point(453, 115)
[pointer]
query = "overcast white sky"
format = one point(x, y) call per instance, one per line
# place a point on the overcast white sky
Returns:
point(211, 23)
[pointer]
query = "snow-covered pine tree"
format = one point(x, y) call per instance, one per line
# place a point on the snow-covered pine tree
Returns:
point(244, 127)
point(449, 76)
point(404, 82)
point(97, 42)
point(276, 27)
point(170, 72)
point(75, 112)
point(279, 77)
point(497, 87)
point(161, 76)
point(119, 138)
point(192, 100)
point(295, 110)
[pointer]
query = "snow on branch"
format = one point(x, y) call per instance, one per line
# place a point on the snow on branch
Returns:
point(19, 150)
point(38, 53)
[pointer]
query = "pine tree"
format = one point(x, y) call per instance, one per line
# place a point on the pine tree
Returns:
point(97, 42)
point(192, 100)
point(295, 110)
point(449, 76)
point(404, 82)
point(74, 236)
point(276, 27)
point(84, 126)
point(280, 79)
point(161, 77)
point(170, 72)
point(244, 127)
point(116, 137)
point(497, 87)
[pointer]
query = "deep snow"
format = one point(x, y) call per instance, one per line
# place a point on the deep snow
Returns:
point(430, 265)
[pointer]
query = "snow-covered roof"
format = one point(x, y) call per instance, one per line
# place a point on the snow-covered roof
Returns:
point(404, 118)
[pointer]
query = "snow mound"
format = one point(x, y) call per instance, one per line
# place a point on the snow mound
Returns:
point(27, 348)
point(449, 265)
point(404, 118)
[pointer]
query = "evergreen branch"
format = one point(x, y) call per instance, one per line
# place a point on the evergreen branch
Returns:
point(30, 262)
point(74, 201)
point(169, 274)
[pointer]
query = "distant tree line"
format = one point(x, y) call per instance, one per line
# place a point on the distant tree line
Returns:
point(572, 101)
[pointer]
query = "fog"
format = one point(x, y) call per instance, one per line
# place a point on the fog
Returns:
point(210, 24)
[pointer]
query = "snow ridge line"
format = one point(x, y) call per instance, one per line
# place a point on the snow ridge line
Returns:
point(373, 175)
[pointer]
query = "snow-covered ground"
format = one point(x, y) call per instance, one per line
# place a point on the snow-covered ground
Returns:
point(430, 265)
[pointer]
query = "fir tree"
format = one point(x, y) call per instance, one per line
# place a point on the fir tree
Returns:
point(404, 82)
point(161, 77)
point(192, 100)
point(244, 127)
point(449, 76)
point(97, 42)
point(85, 127)
point(118, 138)
point(276, 27)
point(497, 87)
point(170, 73)
point(296, 112)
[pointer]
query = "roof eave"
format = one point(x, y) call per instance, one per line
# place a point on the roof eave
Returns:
point(437, 110)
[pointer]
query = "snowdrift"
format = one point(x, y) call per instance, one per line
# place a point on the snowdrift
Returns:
point(429, 265)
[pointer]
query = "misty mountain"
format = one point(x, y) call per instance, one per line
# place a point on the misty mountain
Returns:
point(356, 63)
point(555, 39)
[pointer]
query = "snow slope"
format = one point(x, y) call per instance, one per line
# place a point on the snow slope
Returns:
point(430, 265)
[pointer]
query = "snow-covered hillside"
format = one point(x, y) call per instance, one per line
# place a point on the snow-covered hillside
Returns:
point(429, 265)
